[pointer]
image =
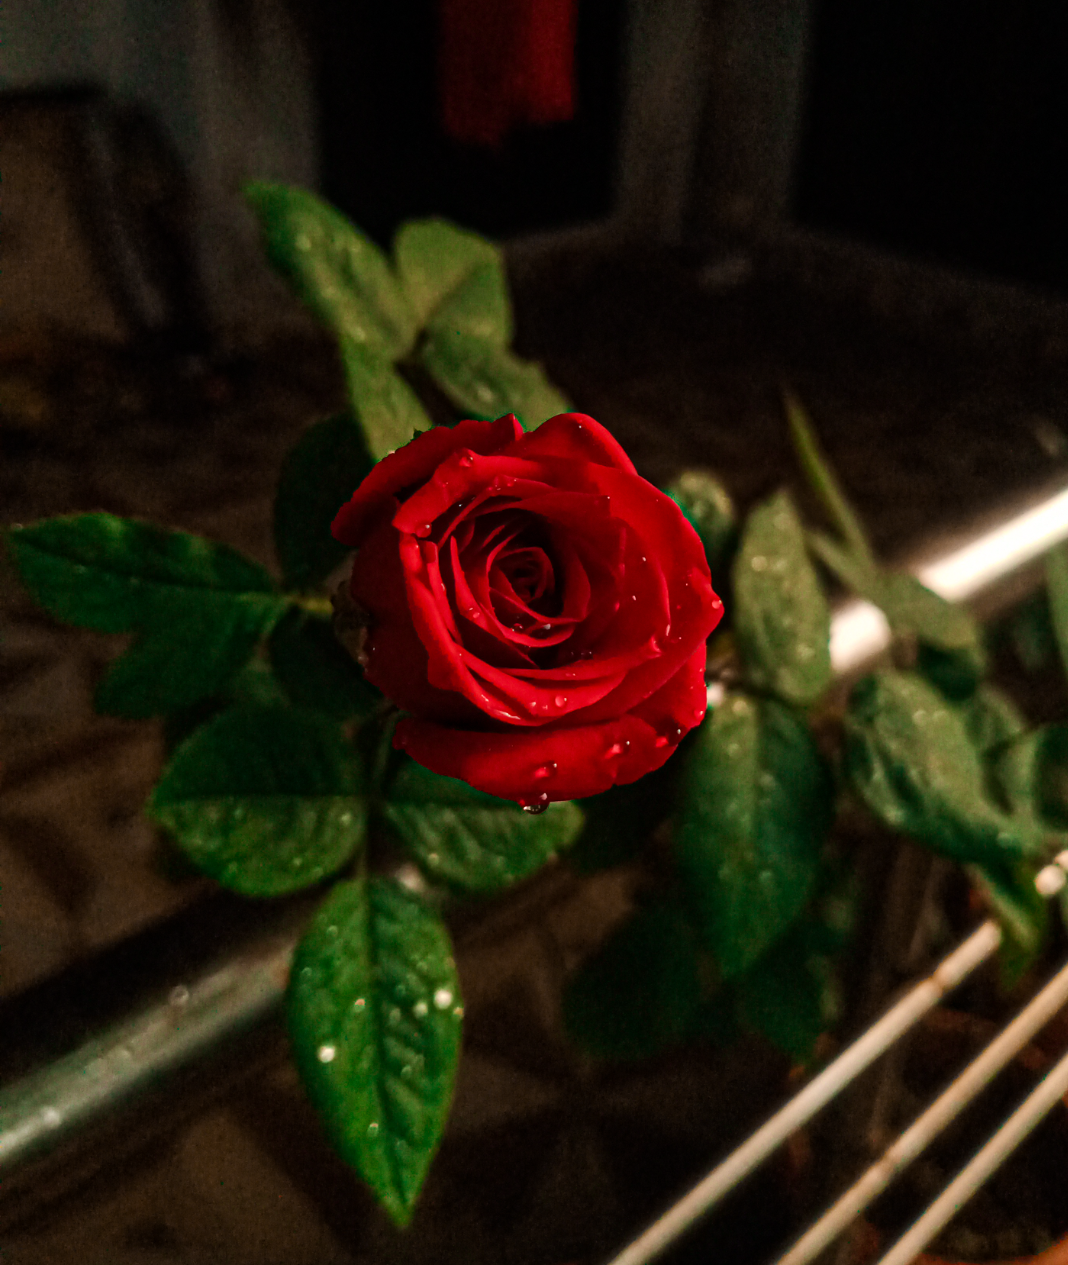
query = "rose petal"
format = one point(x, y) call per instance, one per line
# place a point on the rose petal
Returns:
point(537, 766)
point(397, 660)
point(414, 464)
point(575, 437)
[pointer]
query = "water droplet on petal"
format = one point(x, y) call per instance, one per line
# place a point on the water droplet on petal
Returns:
point(546, 770)
point(327, 1053)
point(536, 805)
point(467, 458)
point(661, 741)
point(443, 998)
point(560, 700)
point(616, 749)
point(423, 529)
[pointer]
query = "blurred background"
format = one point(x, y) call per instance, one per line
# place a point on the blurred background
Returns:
point(933, 129)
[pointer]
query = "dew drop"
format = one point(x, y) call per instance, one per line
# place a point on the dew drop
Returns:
point(759, 563)
point(467, 459)
point(420, 1009)
point(359, 1003)
point(443, 998)
point(546, 770)
point(717, 605)
point(179, 995)
point(423, 530)
point(372, 1129)
point(327, 1053)
point(331, 930)
point(616, 749)
point(661, 741)
point(560, 700)
point(303, 241)
point(536, 806)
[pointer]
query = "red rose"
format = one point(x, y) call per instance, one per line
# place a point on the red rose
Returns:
point(537, 608)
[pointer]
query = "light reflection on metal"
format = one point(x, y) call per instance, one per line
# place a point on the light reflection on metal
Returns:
point(115, 1067)
point(859, 632)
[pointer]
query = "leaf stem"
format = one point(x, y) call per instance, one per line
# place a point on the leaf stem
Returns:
point(313, 603)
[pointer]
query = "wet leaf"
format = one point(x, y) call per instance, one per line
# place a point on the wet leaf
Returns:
point(909, 755)
point(375, 1019)
point(199, 608)
point(334, 268)
point(781, 618)
point(485, 381)
point(266, 800)
point(327, 464)
point(388, 410)
point(435, 259)
point(641, 992)
point(473, 842)
point(708, 507)
point(756, 803)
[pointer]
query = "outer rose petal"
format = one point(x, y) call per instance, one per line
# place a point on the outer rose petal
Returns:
point(414, 464)
point(575, 437)
point(539, 766)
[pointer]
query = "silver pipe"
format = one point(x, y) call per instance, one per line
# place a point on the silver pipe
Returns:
point(120, 1063)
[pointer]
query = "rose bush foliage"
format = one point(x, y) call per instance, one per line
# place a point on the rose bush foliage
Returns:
point(538, 609)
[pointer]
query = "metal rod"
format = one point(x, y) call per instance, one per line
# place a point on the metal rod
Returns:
point(819, 1091)
point(816, 1094)
point(927, 1126)
point(986, 1161)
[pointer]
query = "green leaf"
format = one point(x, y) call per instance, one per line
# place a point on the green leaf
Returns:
point(992, 719)
point(266, 800)
point(479, 307)
point(756, 803)
point(327, 464)
point(912, 608)
point(1021, 911)
point(641, 992)
point(374, 1017)
point(790, 995)
point(1030, 632)
point(388, 409)
point(472, 841)
point(1057, 591)
point(199, 606)
point(708, 507)
point(781, 618)
point(315, 671)
point(1051, 774)
point(332, 267)
point(191, 656)
point(485, 381)
point(909, 755)
point(822, 480)
point(856, 574)
point(435, 258)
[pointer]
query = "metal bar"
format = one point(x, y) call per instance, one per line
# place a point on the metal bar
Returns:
point(158, 1044)
point(986, 1161)
point(927, 1126)
point(818, 1092)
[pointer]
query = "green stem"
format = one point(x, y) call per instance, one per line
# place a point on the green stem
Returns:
point(313, 603)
